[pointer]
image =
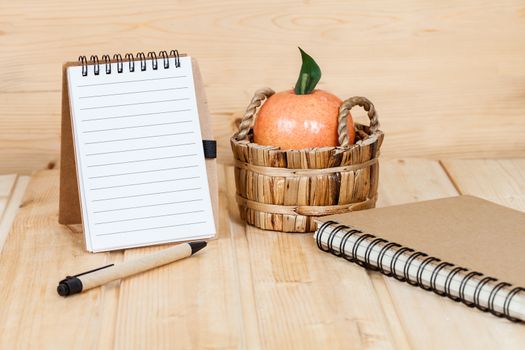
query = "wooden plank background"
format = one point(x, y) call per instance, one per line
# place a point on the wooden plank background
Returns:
point(448, 78)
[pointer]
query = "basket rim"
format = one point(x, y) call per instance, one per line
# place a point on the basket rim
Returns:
point(372, 138)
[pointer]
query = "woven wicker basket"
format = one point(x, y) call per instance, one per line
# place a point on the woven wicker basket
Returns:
point(284, 190)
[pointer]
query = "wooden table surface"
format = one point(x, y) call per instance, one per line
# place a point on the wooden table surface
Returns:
point(249, 288)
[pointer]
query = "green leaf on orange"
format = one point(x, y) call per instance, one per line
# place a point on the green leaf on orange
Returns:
point(309, 76)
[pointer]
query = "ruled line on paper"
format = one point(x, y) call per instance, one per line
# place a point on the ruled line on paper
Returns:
point(135, 103)
point(152, 228)
point(140, 149)
point(138, 138)
point(148, 206)
point(145, 183)
point(146, 194)
point(143, 172)
point(136, 115)
point(149, 217)
point(134, 92)
point(143, 160)
point(131, 81)
point(136, 127)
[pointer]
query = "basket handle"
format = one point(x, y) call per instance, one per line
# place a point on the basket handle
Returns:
point(342, 128)
point(249, 116)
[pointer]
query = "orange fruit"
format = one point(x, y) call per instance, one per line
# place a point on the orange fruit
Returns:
point(292, 121)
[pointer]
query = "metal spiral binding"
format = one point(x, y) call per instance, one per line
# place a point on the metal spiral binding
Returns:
point(462, 286)
point(421, 268)
point(142, 59)
point(320, 232)
point(492, 296)
point(356, 247)
point(83, 62)
point(408, 263)
point(434, 275)
point(154, 63)
point(368, 251)
point(165, 59)
point(345, 239)
point(131, 62)
point(326, 228)
point(175, 54)
point(107, 62)
point(508, 299)
point(96, 66)
point(330, 245)
point(395, 258)
point(381, 255)
point(477, 292)
point(448, 281)
point(120, 67)
point(130, 58)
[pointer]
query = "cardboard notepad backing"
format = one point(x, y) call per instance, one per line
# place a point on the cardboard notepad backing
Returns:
point(69, 200)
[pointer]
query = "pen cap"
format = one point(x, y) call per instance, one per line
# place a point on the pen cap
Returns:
point(69, 285)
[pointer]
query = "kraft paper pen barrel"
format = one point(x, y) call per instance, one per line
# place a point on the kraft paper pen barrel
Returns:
point(97, 277)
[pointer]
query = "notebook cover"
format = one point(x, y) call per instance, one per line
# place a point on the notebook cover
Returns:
point(69, 201)
point(467, 231)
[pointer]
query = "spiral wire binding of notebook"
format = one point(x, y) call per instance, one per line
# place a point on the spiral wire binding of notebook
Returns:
point(140, 157)
point(439, 246)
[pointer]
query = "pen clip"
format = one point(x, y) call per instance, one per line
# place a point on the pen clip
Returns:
point(97, 269)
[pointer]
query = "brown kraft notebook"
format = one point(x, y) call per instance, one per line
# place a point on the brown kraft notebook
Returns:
point(465, 248)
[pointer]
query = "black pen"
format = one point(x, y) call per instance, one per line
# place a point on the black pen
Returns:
point(102, 275)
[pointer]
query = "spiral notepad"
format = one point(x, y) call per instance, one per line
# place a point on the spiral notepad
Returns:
point(457, 247)
point(139, 152)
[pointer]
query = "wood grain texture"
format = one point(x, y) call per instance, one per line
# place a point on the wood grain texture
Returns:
point(7, 183)
point(448, 79)
point(470, 177)
point(12, 189)
point(36, 254)
point(249, 289)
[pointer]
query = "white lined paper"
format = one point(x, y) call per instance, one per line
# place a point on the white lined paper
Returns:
point(140, 162)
